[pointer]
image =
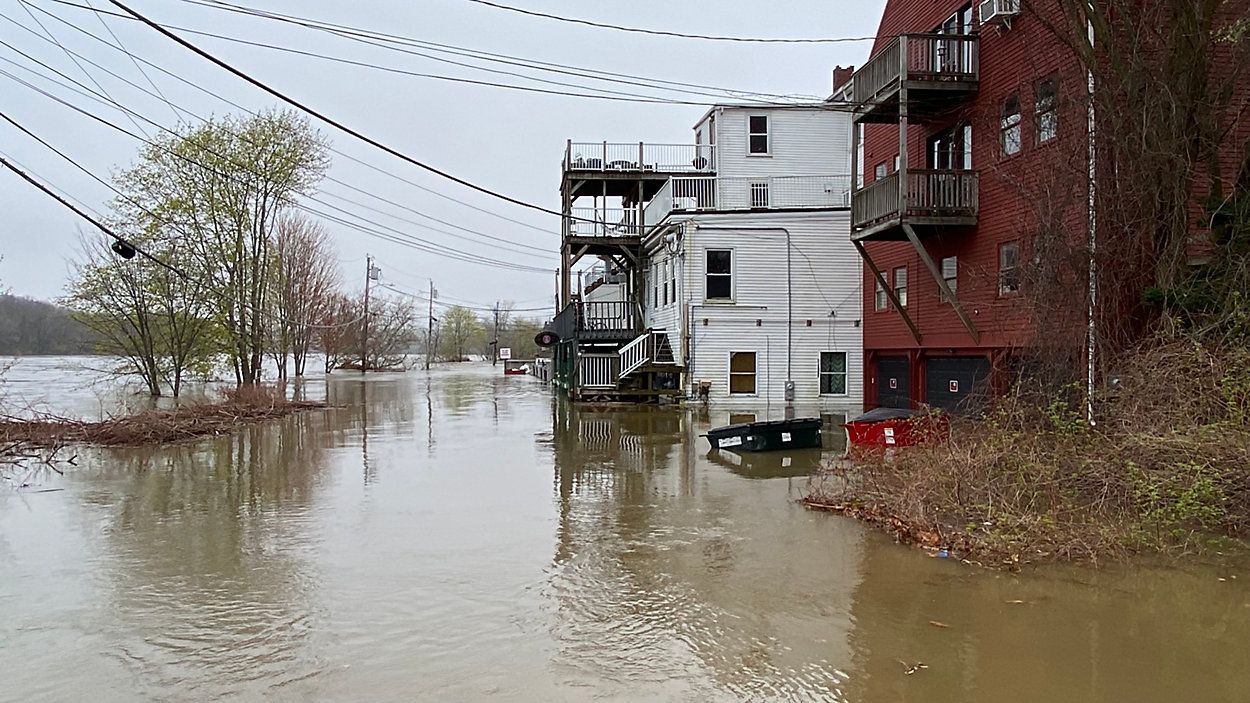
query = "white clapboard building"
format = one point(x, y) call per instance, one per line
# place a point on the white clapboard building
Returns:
point(749, 270)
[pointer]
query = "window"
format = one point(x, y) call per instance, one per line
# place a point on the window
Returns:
point(896, 163)
point(672, 274)
point(1047, 110)
point(759, 195)
point(655, 285)
point(664, 275)
point(950, 274)
point(1011, 125)
point(833, 373)
point(883, 300)
point(1008, 268)
point(951, 149)
point(719, 274)
point(880, 172)
point(742, 373)
point(900, 285)
point(757, 134)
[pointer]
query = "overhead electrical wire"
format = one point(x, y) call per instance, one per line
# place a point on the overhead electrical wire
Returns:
point(390, 234)
point(117, 42)
point(665, 33)
point(337, 124)
point(127, 111)
point(196, 86)
point(372, 37)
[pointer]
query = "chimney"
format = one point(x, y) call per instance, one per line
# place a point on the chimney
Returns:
point(842, 76)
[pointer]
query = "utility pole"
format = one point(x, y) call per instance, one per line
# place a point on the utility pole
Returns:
point(494, 345)
point(429, 335)
point(364, 330)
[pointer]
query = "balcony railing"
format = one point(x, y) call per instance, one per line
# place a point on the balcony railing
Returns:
point(695, 193)
point(917, 57)
point(603, 222)
point(598, 319)
point(639, 156)
point(930, 193)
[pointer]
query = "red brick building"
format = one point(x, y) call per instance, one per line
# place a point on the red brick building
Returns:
point(973, 118)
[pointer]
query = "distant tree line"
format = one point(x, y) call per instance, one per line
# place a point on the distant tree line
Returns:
point(29, 326)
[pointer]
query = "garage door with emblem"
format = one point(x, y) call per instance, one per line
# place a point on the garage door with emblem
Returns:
point(893, 382)
point(956, 383)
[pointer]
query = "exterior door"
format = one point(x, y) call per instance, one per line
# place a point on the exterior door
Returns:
point(893, 382)
point(957, 384)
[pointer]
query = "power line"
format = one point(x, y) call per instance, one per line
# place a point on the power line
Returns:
point(122, 47)
point(664, 33)
point(371, 37)
point(196, 86)
point(396, 236)
point(410, 240)
point(331, 121)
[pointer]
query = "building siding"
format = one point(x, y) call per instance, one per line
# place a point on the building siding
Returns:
point(825, 273)
point(812, 142)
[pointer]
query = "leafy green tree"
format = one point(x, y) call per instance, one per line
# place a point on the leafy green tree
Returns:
point(219, 188)
point(459, 332)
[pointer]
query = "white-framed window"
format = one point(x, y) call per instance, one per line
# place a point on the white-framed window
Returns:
point(655, 285)
point(882, 301)
point(1046, 109)
point(742, 373)
point(950, 274)
point(1010, 125)
point(719, 275)
point(664, 275)
point(672, 278)
point(896, 163)
point(880, 171)
point(758, 140)
point(1009, 268)
point(832, 373)
point(900, 285)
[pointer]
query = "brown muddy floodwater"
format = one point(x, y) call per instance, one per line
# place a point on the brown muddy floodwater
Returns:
point(463, 536)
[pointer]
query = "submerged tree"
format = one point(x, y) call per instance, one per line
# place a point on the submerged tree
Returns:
point(306, 278)
point(459, 331)
point(220, 187)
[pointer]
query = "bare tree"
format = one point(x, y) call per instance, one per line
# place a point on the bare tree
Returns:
point(306, 278)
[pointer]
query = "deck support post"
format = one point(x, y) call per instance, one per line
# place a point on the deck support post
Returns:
point(937, 276)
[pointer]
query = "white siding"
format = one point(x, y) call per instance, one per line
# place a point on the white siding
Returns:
point(825, 278)
point(802, 142)
point(607, 292)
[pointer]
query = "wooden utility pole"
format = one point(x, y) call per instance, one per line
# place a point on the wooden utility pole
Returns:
point(364, 330)
point(429, 334)
point(494, 345)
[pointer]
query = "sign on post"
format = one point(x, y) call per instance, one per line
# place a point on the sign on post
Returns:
point(505, 353)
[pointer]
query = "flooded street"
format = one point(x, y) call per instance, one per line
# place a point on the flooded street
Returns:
point(463, 536)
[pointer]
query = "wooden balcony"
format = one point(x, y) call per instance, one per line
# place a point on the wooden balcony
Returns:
point(631, 170)
point(932, 198)
point(605, 321)
point(933, 73)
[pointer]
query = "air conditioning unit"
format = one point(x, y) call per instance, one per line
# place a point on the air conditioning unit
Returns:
point(999, 10)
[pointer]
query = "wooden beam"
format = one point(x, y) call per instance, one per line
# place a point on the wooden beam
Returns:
point(889, 291)
point(937, 276)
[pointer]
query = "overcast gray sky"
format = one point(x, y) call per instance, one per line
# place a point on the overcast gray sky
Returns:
point(506, 140)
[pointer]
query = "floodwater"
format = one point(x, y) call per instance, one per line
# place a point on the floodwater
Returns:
point(462, 536)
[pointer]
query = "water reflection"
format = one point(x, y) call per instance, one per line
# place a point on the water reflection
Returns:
point(459, 535)
point(671, 576)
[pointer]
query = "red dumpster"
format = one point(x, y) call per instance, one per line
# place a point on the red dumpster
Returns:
point(894, 427)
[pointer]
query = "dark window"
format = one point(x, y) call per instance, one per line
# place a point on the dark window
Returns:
point(1047, 110)
point(833, 373)
point(882, 300)
point(951, 149)
point(900, 285)
point(950, 274)
point(719, 274)
point(757, 134)
point(1008, 268)
point(1010, 125)
point(672, 274)
point(742, 373)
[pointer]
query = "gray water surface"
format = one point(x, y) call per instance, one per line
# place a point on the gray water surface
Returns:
point(462, 536)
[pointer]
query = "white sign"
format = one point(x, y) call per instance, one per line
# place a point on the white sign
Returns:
point(785, 436)
point(731, 442)
point(505, 352)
